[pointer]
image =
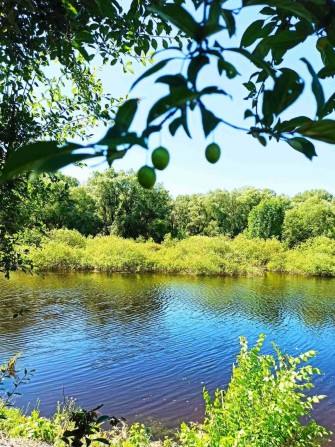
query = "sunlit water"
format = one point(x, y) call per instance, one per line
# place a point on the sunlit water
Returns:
point(145, 345)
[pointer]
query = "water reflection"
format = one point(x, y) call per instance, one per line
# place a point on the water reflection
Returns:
point(146, 344)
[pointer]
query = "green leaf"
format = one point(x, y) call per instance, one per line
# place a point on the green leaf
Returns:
point(150, 130)
point(42, 156)
point(230, 70)
point(102, 419)
point(293, 7)
point(113, 139)
point(174, 125)
point(329, 106)
point(114, 154)
point(184, 121)
point(179, 17)
point(302, 145)
point(213, 90)
point(254, 59)
point(327, 72)
point(262, 140)
point(287, 88)
point(126, 114)
point(151, 71)
point(196, 64)
point(177, 80)
point(323, 130)
point(209, 121)
point(177, 98)
point(252, 33)
point(293, 124)
point(316, 88)
point(54, 163)
point(229, 19)
point(284, 40)
point(208, 30)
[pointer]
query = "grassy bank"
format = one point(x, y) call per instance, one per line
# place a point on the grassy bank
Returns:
point(198, 255)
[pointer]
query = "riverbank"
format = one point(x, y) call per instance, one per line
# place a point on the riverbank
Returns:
point(199, 255)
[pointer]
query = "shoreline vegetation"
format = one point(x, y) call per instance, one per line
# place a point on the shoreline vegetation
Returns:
point(68, 250)
point(117, 226)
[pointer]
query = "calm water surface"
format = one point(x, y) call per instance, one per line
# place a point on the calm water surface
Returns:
point(146, 345)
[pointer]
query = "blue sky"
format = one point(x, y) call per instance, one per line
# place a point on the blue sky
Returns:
point(243, 161)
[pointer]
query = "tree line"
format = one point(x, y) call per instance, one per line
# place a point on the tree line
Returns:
point(114, 203)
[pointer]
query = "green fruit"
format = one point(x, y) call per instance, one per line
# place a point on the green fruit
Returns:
point(146, 177)
point(160, 158)
point(213, 152)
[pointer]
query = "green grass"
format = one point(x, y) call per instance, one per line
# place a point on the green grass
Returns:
point(197, 255)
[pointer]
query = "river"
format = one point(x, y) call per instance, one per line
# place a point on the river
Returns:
point(145, 345)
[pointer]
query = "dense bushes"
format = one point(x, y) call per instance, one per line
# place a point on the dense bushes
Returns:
point(114, 204)
point(263, 405)
point(198, 255)
point(267, 403)
point(266, 219)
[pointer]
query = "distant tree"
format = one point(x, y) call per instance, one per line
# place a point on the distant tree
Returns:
point(217, 212)
point(266, 219)
point(310, 218)
point(319, 194)
point(128, 210)
point(233, 208)
point(83, 214)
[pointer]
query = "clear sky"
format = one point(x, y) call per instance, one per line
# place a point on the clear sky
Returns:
point(244, 161)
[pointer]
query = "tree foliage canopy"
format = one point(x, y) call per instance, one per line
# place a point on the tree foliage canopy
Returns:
point(208, 27)
point(49, 90)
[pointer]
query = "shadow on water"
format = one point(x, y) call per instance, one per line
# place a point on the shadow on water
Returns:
point(145, 345)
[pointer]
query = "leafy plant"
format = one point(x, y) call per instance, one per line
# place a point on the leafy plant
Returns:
point(10, 381)
point(86, 423)
point(267, 403)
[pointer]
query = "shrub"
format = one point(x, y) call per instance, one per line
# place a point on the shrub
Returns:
point(196, 255)
point(263, 406)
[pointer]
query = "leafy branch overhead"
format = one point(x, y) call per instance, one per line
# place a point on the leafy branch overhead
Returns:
point(275, 85)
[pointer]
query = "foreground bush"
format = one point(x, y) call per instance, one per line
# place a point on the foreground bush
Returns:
point(197, 255)
point(264, 405)
point(268, 403)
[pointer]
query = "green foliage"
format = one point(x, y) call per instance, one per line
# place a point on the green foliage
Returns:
point(218, 212)
point(266, 43)
point(11, 379)
point(266, 219)
point(114, 204)
point(197, 255)
point(126, 209)
point(314, 257)
point(308, 219)
point(50, 90)
point(263, 406)
point(33, 426)
point(85, 424)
